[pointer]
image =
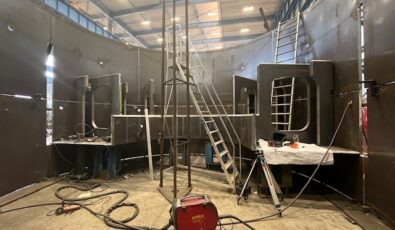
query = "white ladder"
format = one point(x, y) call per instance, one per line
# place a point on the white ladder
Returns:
point(212, 126)
point(283, 89)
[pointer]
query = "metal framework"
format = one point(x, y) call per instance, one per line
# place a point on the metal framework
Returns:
point(289, 9)
point(174, 82)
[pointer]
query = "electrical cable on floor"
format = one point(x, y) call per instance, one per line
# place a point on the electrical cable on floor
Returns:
point(109, 221)
point(308, 181)
point(122, 224)
point(227, 216)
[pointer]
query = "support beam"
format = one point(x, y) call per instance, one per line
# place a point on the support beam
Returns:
point(138, 10)
point(108, 14)
point(201, 25)
point(214, 40)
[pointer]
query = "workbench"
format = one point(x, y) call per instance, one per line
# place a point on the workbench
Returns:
point(284, 158)
point(102, 147)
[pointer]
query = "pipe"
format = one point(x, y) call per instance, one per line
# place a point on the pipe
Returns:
point(175, 120)
point(188, 88)
point(162, 140)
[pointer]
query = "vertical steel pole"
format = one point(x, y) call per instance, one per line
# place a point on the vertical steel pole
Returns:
point(188, 88)
point(175, 107)
point(162, 139)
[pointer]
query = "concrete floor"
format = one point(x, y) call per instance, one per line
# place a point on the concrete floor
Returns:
point(310, 212)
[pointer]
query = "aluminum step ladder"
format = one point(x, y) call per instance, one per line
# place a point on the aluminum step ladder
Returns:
point(283, 89)
point(204, 96)
point(213, 132)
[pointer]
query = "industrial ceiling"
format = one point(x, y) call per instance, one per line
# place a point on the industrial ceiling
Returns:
point(213, 24)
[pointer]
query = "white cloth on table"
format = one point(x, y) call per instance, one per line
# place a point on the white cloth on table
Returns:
point(306, 154)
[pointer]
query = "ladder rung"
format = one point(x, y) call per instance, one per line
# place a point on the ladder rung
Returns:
point(283, 95)
point(282, 86)
point(292, 25)
point(218, 142)
point(289, 20)
point(223, 153)
point(228, 164)
point(289, 51)
point(286, 44)
point(281, 104)
point(280, 123)
point(286, 60)
point(214, 131)
point(286, 36)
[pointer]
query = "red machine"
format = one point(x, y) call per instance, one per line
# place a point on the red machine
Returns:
point(194, 212)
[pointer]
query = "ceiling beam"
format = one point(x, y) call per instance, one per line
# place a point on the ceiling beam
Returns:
point(107, 12)
point(142, 9)
point(215, 40)
point(201, 25)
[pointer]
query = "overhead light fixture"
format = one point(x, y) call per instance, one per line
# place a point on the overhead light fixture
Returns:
point(10, 28)
point(216, 33)
point(105, 28)
point(145, 23)
point(248, 8)
point(49, 74)
point(244, 30)
point(160, 39)
point(218, 47)
point(175, 19)
point(50, 61)
point(213, 13)
point(23, 96)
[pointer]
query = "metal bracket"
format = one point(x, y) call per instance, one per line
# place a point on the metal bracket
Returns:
point(374, 87)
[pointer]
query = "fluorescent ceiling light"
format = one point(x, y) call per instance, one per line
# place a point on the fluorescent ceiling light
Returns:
point(23, 96)
point(244, 30)
point(50, 61)
point(105, 28)
point(248, 8)
point(175, 19)
point(144, 23)
point(49, 74)
point(214, 13)
point(216, 33)
point(160, 39)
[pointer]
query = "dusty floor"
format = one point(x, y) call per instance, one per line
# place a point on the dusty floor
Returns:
point(311, 212)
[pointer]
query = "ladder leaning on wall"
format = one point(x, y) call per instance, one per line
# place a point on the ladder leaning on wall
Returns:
point(208, 105)
point(283, 89)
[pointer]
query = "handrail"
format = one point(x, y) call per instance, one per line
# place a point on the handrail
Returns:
point(195, 56)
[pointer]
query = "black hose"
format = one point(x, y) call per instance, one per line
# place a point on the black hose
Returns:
point(109, 221)
point(227, 216)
